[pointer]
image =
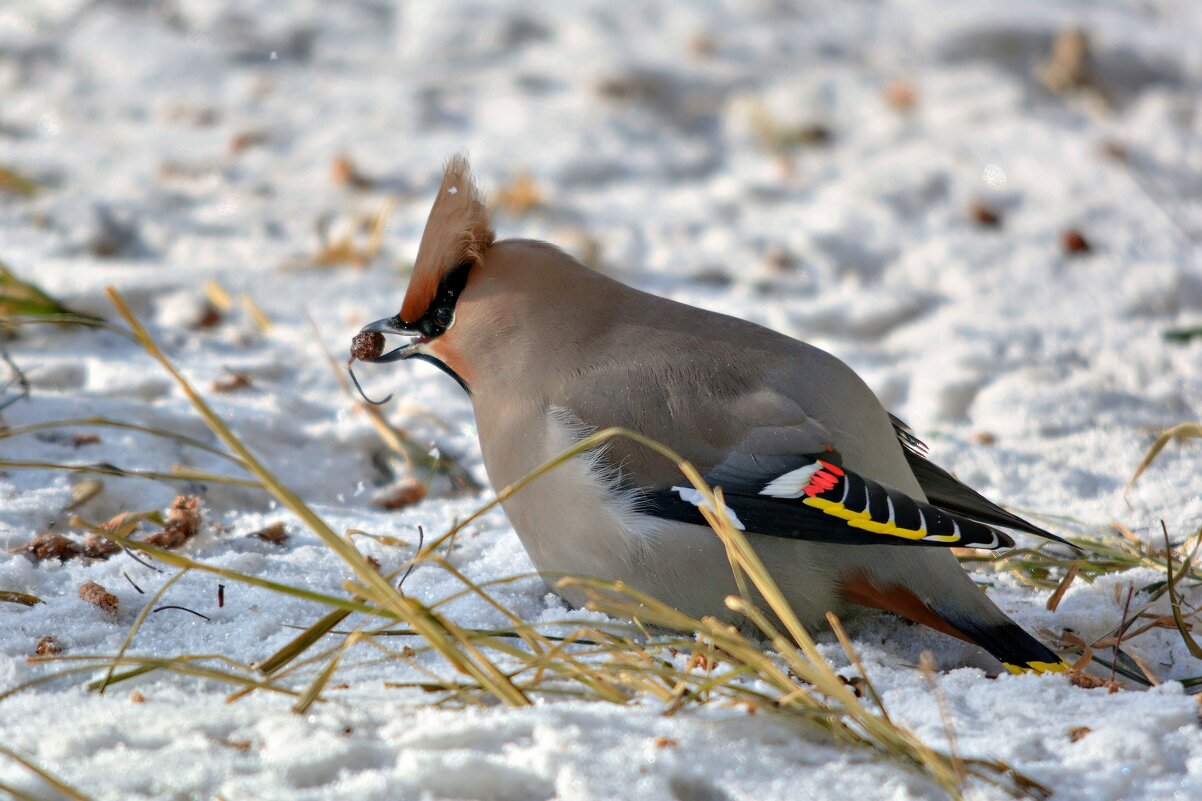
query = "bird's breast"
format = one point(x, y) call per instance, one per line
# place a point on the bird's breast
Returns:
point(572, 518)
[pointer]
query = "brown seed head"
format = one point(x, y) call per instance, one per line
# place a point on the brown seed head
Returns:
point(52, 546)
point(367, 346)
point(96, 595)
point(48, 646)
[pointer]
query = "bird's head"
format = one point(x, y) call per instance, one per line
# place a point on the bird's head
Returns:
point(457, 237)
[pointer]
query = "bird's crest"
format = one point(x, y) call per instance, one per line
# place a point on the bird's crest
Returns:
point(458, 231)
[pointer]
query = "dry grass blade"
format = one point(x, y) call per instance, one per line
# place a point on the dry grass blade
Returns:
point(114, 470)
point(926, 665)
point(179, 560)
point(65, 320)
point(23, 598)
point(106, 422)
point(315, 632)
point(1182, 431)
point(20, 795)
point(46, 678)
point(261, 320)
point(377, 588)
point(183, 473)
point(150, 664)
point(137, 624)
point(49, 778)
point(1103, 554)
point(845, 643)
point(1069, 576)
point(302, 642)
point(1175, 599)
point(187, 667)
point(346, 250)
point(792, 693)
point(314, 691)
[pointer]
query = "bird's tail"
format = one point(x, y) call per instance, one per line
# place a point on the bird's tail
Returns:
point(964, 612)
point(1010, 644)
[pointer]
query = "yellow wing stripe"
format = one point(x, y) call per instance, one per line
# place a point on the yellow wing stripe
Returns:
point(863, 520)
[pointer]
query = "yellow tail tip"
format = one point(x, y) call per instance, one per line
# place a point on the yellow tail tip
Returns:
point(1037, 667)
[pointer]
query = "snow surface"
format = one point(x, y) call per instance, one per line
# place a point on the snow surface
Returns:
point(637, 122)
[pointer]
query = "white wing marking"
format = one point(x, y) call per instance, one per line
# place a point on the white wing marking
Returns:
point(694, 497)
point(791, 484)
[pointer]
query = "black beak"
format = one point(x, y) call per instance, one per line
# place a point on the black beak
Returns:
point(392, 325)
point(389, 325)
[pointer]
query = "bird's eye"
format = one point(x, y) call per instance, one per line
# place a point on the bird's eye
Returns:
point(443, 316)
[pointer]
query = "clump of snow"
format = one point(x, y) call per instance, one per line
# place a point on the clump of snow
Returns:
point(738, 156)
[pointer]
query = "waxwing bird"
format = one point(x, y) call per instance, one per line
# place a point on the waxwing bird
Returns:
point(837, 497)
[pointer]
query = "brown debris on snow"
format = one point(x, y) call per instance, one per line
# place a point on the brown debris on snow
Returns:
point(901, 95)
point(48, 646)
point(343, 172)
point(210, 316)
point(80, 440)
point(1078, 732)
point(183, 521)
point(276, 534)
point(984, 215)
point(1081, 679)
point(95, 546)
point(246, 140)
point(49, 545)
point(237, 745)
point(232, 382)
point(96, 595)
point(405, 492)
point(1074, 242)
point(780, 259)
point(814, 133)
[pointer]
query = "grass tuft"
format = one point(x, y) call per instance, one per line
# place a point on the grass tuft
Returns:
point(1177, 432)
point(663, 656)
point(24, 299)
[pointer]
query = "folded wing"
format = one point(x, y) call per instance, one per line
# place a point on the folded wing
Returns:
point(812, 497)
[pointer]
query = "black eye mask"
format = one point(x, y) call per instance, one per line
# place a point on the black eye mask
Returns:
point(441, 311)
